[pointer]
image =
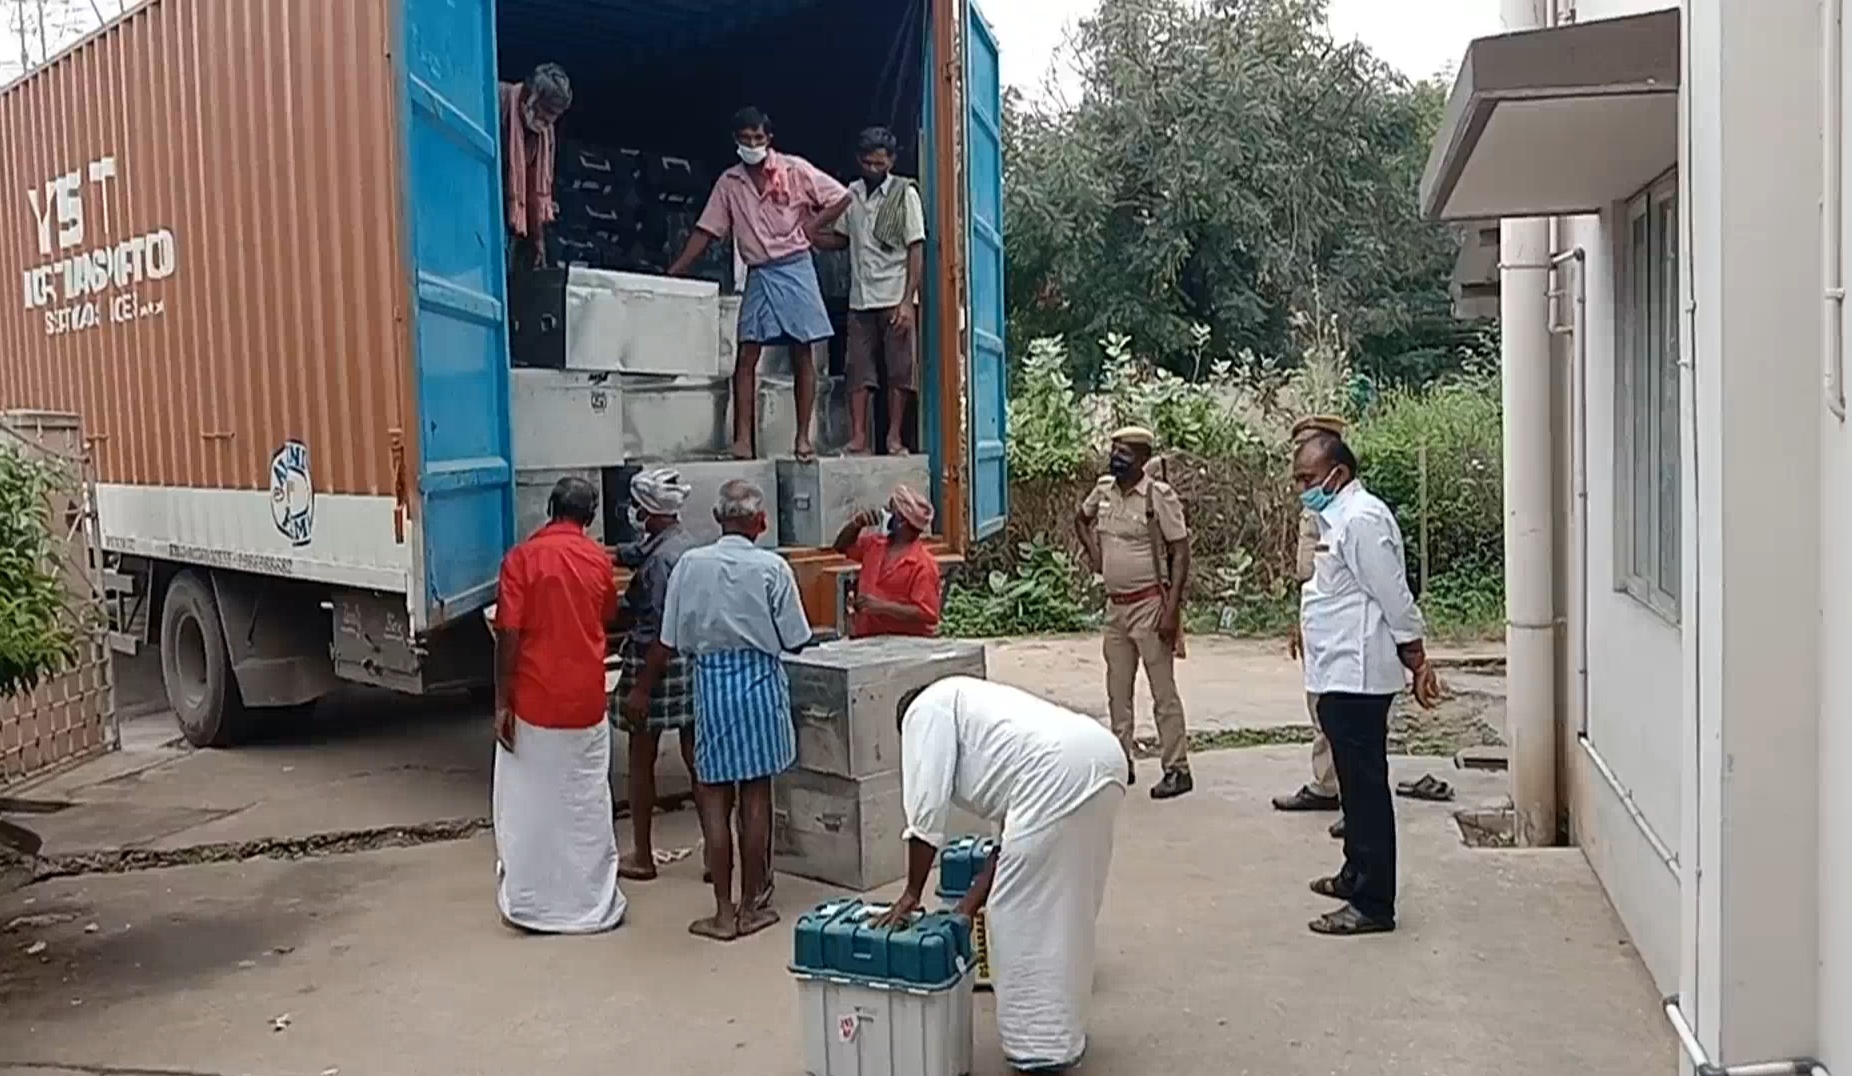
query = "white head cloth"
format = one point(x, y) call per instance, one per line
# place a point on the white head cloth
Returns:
point(660, 492)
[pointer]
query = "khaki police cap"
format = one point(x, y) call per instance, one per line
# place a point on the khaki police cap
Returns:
point(1331, 424)
point(1134, 435)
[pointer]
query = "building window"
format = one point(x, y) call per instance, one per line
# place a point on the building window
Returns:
point(1646, 402)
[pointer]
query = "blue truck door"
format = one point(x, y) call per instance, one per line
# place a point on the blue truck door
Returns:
point(988, 377)
point(459, 335)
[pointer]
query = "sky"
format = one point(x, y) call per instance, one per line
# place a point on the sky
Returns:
point(1419, 37)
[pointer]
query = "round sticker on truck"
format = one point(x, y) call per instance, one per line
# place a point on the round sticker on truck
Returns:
point(292, 493)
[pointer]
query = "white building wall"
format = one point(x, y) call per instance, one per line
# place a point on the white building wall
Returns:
point(1751, 820)
point(1634, 682)
point(1635, 686)
point(1835, 733)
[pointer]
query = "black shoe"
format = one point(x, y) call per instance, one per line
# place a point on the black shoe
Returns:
point(1305, 800)
point(1131, 774)
point(1175, 783)
point(1348, 922)
point(1337, 830)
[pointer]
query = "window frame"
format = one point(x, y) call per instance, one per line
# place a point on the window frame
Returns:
point(1647, 338)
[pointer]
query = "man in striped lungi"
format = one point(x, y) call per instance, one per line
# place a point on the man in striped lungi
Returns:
point(732, 612)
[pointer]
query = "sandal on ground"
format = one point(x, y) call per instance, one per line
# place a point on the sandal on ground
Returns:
point(1430, 788)
point(1335, 887)
point(1305, 800)
point(1348, 922)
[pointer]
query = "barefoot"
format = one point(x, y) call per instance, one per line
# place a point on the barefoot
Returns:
point(723, 926)
point(742, 450)
point(756, 919)
point(857, 448)
point(637, 868)
point(804, 450)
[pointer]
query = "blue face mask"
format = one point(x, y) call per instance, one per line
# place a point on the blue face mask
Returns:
point(1318, 498)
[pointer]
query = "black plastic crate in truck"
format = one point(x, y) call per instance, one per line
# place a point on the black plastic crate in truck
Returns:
point(537, 318)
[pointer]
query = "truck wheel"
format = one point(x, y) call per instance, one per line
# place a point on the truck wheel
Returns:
point(195, 666)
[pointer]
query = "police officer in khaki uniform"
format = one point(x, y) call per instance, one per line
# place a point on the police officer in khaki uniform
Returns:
point(1132, 527)
point(1321, 794)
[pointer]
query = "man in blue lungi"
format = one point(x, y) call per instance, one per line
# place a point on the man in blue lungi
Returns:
point(732, 612)
point(770, 205)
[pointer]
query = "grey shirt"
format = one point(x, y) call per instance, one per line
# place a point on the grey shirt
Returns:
point(649, 583)
point(732, 595)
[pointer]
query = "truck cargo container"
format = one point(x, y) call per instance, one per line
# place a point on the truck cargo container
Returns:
point(261, 252)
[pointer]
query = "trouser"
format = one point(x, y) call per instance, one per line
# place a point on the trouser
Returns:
point(1324, 773)
point(1131, 640)
point(1358, 726)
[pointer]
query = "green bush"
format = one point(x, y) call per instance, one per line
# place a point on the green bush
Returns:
point(1224, 436)
point(1458, 424)
point(1046, 594)
point(37, 635)
point(1049, 436)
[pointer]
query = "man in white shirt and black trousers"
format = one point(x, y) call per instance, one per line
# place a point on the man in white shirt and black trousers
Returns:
point(1362, 630)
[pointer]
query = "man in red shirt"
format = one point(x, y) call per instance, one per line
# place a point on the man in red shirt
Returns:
point(556, 850)
point(899, 589)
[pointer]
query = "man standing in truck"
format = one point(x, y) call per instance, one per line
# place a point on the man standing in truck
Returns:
point(556, 852)
point(884, 230)
point(529, 111)
point(656, 499)
point(771, 204)
point(733, 612)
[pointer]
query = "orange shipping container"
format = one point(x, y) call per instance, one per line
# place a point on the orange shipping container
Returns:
point(259, 250)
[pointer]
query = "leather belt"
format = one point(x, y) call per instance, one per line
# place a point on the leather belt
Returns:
point(1131, 597)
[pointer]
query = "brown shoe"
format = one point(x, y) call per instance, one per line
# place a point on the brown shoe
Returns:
point(1175, 783)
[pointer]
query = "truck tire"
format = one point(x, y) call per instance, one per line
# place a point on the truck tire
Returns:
point(196, 667)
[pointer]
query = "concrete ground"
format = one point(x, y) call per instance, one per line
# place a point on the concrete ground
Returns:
point(393, 960)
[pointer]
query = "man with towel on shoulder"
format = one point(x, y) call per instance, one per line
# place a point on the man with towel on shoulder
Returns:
point(1055, 780)
point(884, 231)
point(770, 204)
point(656, 499)
point(530, 110)
point(556, 854)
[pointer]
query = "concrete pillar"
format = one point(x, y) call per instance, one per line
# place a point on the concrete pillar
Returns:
point(1530, 606)
point(1751, 594)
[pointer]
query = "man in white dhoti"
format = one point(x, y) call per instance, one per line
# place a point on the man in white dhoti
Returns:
point(556, 850)
point(1054, 779)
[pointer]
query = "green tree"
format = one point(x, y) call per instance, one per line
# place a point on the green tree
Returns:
point(1226, 166)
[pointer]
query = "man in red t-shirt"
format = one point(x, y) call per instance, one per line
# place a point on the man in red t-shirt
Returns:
point(556, 849)
point(899, 589)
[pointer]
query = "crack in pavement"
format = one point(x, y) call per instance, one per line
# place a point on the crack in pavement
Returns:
point(103, 1070)
point(312, 846)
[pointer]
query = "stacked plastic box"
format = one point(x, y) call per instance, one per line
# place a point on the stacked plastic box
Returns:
point(882, 1001)
point(959, 865)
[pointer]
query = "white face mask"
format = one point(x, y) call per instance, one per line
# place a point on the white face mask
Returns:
point(754, 155)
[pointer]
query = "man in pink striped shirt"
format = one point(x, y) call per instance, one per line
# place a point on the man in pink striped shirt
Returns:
point(770, 205)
